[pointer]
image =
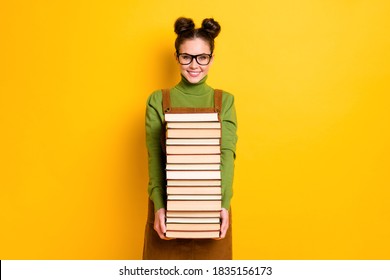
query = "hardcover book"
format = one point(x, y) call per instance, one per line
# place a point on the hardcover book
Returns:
point(191, 117)
point(193, 214)
point(193, 190)
point(193, 174)
point(193, 205)
point(192, 234)
point(193, 227)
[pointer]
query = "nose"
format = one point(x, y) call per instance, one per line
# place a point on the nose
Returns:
point(194, 64)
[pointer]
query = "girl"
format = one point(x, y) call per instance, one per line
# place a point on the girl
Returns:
point(195, 55)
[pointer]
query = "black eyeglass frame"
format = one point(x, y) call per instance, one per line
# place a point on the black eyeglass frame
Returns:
point(196, 58)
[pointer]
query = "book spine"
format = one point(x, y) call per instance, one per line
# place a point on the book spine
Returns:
point(194, 205)
point(193, 173)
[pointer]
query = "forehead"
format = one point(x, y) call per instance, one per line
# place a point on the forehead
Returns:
point(194, 46)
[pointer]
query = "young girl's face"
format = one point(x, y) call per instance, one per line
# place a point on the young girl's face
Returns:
point(194, 72)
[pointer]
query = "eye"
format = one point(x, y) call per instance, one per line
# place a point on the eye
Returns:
point(203, 58)
point(185, 57)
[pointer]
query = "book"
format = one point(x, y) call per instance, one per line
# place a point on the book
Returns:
point(193, 183)
point(198, 166)
point(193, 227)
point(193, 190)
point(191, 174)
point(194, 125)
point(194, 205)
point(193, 133)
point(192, 234)
point(193, 158)
point(194, 220)
point(191, 117)
point(190, 141)
point(195, 197)
point(192, 150)
point(192, 214)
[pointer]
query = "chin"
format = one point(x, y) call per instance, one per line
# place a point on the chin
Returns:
point(194, 80)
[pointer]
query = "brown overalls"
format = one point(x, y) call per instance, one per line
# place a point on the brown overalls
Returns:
point(156, 248)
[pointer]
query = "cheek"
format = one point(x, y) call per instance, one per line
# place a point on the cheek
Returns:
point(205, 69)
point(182, 67)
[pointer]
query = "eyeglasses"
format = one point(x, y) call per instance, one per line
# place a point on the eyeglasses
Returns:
point(201, 59)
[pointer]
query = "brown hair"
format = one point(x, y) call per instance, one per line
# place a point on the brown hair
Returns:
point(185, 29)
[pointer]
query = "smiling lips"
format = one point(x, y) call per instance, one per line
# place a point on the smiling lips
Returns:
point(194, 73)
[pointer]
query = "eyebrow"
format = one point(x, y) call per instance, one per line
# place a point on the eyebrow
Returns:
point(196, 54)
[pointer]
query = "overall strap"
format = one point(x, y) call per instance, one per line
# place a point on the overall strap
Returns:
point(166, 100)
point(218, 100)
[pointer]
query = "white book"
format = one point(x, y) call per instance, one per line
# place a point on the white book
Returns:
point(195, 220)
point(194, 183)
point(194, 214)
point(193, 190)
point(198, 166)
point(192, 234)
point(193, 158)
point(194, 125)
point(203, 174)
point(195, 197)
point(193, 227)
point(191, 141)
point(193, 133)
point(194, 205)
point(193, 150)
point(191, 117)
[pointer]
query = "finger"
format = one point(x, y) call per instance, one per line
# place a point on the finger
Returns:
point(162, 235)
point(162, 225)
point(223, 233)
point(224, 227)
point(158, 230)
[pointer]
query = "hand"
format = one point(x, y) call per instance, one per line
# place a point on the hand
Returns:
point(224, 223)
point(159, 223)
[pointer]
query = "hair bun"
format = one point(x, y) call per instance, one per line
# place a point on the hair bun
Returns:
point(183, 24)
point(211, 26)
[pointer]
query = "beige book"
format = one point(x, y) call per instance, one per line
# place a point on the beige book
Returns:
point(192, 150)
point(194, 197)
point(191, 117)
point(192, 234)
point(192, 214)
point(190, 174)
point(193, 190)
point(193, 158)
point(193, 133)
point(193, 227)
point(195, 220)
point(194, 183)
point(191, 141)
point(194, 205)
point(194, 125)
point(199, 166)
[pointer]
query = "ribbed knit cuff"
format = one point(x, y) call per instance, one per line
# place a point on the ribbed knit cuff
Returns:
point(158, 200)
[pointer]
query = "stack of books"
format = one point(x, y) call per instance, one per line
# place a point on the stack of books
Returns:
point(193, 172)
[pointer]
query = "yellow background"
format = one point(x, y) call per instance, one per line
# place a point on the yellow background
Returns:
point(311, 81)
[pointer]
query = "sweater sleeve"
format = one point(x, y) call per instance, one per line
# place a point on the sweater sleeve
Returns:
point(228, 147)
point(156, 159)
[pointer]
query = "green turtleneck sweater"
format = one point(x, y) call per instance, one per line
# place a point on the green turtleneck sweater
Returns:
point(185, 94)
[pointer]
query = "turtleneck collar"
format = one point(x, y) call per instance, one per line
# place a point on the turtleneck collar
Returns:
point(200, 88)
